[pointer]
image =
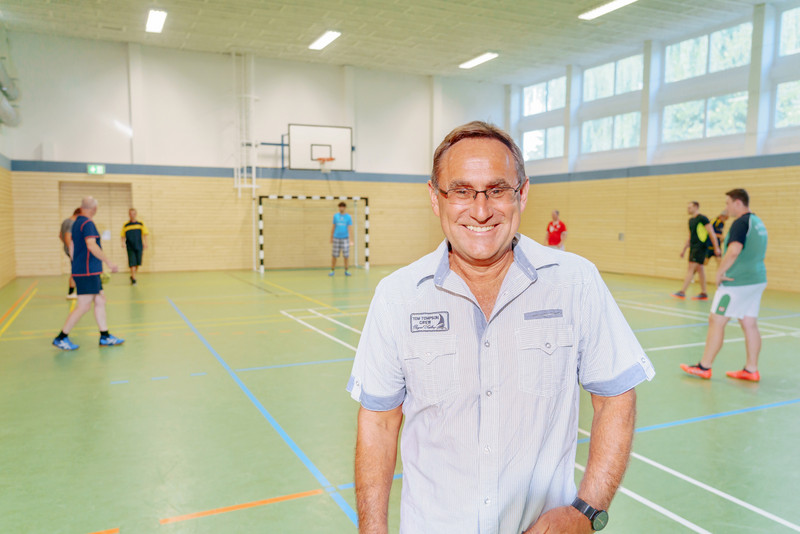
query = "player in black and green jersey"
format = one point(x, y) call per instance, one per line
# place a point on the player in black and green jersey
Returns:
point(134, 239)
point(700, 233)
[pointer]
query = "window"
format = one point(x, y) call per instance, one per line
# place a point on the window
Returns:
point(727, 114)
point(620, 131)
point(540, 144)
point(686, 59)
point(787, 108)
point(545, 96)
point(721, 50)
point(598, 82)
point(613, 78)
point(730, 47)
point(715, 116)
point(684, 121)
point(626, 130)
point(790, 32)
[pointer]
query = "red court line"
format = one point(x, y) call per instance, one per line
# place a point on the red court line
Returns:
point(109, 531)
point(240, 506)
point(3, 318)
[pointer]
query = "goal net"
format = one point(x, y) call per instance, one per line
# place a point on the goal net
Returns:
point(294, 231)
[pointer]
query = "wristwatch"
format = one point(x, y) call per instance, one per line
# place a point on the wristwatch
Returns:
point(598, 518)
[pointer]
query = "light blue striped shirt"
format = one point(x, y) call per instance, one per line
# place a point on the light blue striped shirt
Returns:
point(491, 407)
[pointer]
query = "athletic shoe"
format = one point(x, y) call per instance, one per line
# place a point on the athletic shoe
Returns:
point(744, 374)
point(701, 296)
point(331, 273)
point(64, 344)
point(347, 273)
point(679, 295)
point(107, 341)
point(133, 281)
point(72, 296)
point(696, 371)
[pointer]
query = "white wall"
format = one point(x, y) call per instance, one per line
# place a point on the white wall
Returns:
point(181, 106)
point(72, 91)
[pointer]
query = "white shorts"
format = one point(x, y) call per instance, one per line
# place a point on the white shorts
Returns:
point(738, 301)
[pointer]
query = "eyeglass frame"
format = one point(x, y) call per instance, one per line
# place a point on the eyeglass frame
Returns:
point(485, 191)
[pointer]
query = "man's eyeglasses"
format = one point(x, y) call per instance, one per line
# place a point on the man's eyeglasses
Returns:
point(466, 195)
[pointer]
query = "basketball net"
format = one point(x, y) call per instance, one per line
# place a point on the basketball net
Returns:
point(324, 165)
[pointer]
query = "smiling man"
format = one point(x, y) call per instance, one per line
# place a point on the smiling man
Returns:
point(481, 346)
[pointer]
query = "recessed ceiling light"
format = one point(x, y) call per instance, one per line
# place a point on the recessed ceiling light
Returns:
point(327, 38)
point(474, 62)
point(155, 21)
point(604, 9)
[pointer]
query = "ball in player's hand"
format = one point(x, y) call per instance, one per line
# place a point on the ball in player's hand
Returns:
point(105, 277)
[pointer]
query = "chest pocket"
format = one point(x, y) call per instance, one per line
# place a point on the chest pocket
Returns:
point(543, 358)
point(430, 366)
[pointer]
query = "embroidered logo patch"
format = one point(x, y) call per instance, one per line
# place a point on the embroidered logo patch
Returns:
point(430, 322)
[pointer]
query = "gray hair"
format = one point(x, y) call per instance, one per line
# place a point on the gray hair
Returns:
point(477, 130)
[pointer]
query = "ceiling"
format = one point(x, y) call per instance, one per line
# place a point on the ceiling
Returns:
point(535, 38)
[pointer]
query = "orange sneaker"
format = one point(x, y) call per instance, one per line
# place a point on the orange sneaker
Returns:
point(700, 296)
point(744, 374)
point(679, 295)
point(696, 371)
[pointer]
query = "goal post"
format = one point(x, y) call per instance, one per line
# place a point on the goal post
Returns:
point(294, 230)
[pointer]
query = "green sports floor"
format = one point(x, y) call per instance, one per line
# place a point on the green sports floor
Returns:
point(225, 410)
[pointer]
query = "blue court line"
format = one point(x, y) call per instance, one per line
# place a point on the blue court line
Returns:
point(293, 365)
point(198, 374)
point(119, 381)
point(272, 421)
point(159, 378)
point(780, 317)
point(710, 416)
point(670, 327)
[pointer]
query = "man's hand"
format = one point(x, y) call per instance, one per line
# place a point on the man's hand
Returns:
point(114, 267)
point(683, 252)
point(561, 520)
point(721, 277)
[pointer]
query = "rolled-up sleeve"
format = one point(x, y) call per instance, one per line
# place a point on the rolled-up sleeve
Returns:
point(377, 379)
point(610, 359)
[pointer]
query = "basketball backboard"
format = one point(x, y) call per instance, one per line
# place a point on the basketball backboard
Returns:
point(309, 143)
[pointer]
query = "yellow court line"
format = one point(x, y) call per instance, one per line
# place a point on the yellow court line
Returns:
point(303, 296)
point(2, 330)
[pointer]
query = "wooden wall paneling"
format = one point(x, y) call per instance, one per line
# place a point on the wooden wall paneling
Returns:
point(8, 268)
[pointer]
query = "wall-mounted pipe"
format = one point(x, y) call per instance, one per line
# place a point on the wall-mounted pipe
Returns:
point(7, 84)
point(8, 113)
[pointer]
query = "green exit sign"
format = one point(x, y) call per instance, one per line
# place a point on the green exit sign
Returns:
point(96, 169)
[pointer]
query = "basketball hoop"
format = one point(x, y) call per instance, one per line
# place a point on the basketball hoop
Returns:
point(324, 165)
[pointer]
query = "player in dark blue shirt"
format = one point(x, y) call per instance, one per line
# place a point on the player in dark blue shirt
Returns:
point(87, 266)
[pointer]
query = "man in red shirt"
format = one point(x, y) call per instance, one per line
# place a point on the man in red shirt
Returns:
point(556, 232)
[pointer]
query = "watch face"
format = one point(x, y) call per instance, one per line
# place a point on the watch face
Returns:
point(600, 520)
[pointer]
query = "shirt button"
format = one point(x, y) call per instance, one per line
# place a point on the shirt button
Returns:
point(547, 345)
point(487, 449)
point(486, 343)
point(489, 393)
point(487, 500)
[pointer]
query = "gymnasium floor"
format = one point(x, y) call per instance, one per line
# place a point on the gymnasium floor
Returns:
point(225, 410)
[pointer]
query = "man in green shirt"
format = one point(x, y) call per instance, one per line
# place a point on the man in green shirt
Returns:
point(741, 280)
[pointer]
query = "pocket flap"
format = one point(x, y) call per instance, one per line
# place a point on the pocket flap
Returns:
point(428, 348)
point(546, 338)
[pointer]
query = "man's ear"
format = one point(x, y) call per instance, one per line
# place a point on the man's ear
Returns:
point(434, 192)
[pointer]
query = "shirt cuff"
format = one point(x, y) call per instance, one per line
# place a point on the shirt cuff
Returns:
point(627, 380)
point(372, 402)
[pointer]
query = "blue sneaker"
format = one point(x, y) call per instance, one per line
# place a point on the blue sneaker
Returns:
point(107, 341)
point(64, 344)
point(347, 273)
point(331, 273)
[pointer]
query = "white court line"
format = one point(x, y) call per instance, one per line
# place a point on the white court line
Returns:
point(710, 489)
point(694, 314)
point(703, 343)
point(674, 313)
point(317, 330)
point(356, 330)
point(658, 508)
